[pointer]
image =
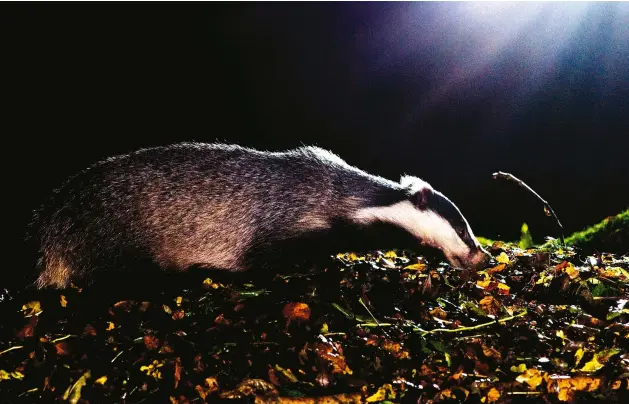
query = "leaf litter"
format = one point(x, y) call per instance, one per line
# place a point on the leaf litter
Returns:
point(546, 325)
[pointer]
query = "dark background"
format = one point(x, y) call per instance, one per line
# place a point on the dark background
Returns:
point(423, 88)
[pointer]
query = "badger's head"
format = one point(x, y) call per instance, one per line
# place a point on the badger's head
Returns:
point(434, 220)
point(439, 223)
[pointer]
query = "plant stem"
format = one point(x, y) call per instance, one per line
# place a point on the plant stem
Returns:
point(474, 327)
point(548, 208)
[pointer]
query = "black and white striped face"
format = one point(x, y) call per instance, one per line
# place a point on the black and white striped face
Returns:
point(446, 228)
point(434, 220)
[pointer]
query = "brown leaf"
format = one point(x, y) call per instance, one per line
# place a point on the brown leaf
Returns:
point(124, 305)
point(273, 378)
point(178, 369)
point(62, 348)
point(490, 305)
point(497, 268)
point(178, 315)
point(151, 342)
point(439, 313)
point(491, 352)
point(296, 311)
point(29, 328)
point(332, 353)
point(220, 319)
point(89, 330)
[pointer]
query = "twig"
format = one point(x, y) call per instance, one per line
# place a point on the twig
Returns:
point(360, 300)
point(547, 208)
point(12, 348)
point(116, 357)
point(474, 327)
point(62, 338)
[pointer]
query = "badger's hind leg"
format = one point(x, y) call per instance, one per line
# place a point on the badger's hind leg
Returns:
point(55, 273)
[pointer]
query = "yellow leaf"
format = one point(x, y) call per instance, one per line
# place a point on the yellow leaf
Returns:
point(532, 377)
point(418, 267)
point(17, 375)
point(64, 302)
point(324, 328)
point(521, 368)
point(167, 309)
point(593, 365)
point(560, 334)
point(179, 299)
point(503, 287)
point(483, 284)
point(385, 392)
point(572, 272)
point(578, 355)
point(152, 369)
point(503, 258)
point(32, 309)
point(101, 380)
point(110, 326)
point(73, 393)
point(290, 376)
point(493, 395)
point(390, 254)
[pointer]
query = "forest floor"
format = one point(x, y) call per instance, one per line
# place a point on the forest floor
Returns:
point(548, 324)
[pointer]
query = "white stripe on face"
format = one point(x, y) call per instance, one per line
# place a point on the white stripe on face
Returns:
point(425, 225)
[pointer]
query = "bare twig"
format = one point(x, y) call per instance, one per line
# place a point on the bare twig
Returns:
point(475, 327)
point(12, 348)
point(547, 208)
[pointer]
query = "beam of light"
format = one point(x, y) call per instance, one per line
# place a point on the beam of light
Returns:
point(538, 32)
point(517, 46)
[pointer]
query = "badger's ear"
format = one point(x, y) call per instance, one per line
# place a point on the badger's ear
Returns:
point(421, 197)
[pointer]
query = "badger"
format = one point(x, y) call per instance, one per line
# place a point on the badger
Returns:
point(227, 207)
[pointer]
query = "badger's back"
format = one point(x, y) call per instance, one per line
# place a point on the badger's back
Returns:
point(191, 205)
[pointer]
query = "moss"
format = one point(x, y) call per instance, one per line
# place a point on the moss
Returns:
point(610, 235)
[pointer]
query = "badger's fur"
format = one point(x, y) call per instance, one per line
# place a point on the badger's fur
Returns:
point(229, 207)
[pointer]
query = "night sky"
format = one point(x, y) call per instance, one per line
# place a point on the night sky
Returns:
point(447, 92)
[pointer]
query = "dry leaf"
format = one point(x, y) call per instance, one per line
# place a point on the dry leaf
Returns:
point(296, 311)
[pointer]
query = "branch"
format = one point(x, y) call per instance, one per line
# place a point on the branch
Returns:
point(475, 327)
point(547, 208)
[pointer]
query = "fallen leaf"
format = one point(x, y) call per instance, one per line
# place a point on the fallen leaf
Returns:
point(532, 377)
point(62, 348)
point(151, 342)
point(503, 258)
point(490, 305)
point(493, 395)
point(73, 393)
point(497, 268)
point(384, 392)
point(32, 309)
point(178, 369)
point(416, 267)
point(101, 380)
point(296, 311)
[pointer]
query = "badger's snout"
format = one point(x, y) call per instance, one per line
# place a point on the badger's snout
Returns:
point(479, 259)
point(475, 260)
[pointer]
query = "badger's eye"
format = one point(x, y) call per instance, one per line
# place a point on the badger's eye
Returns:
point(460, 232)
